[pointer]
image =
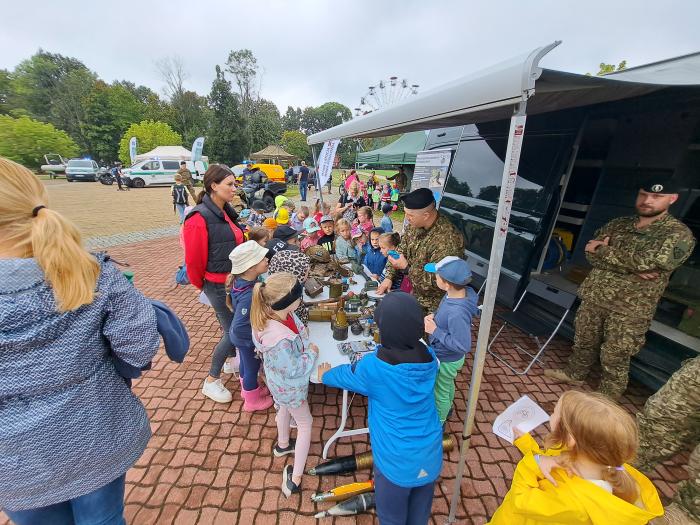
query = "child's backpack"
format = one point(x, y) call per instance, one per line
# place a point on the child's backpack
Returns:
point(179, 194)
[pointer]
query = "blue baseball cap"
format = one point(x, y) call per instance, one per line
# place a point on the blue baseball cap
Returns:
point(310, 225)
point(452, 269)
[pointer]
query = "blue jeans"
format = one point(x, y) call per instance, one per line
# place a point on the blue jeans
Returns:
point(181, 211)
point(402, 505)
point(216, 293)
point(248, 368)
point(302, 189)
point(104, 506)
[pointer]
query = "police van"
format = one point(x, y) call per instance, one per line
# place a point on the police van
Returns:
point(158, 171)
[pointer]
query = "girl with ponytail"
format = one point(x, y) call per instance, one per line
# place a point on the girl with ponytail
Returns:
point(288, 358)
point(71, 428)
point(582, 476)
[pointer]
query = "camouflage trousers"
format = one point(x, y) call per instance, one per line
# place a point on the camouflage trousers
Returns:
point(611, 336)
point(669, 423)
point(429, 301)
point(190, 189)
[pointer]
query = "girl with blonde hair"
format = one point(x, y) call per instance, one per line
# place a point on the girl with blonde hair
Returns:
point(71, 427)
point(349, 202)
point(288, 359)
point(582, 476)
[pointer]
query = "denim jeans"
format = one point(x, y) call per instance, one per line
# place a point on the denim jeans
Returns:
point(104, 506)
point(181, 211)
point(216, 293)
point(302, 189)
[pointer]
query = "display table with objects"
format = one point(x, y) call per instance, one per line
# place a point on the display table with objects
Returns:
point(321, 333)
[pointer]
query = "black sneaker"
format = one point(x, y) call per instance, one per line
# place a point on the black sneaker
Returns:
point(288, 486)
point(289, 449)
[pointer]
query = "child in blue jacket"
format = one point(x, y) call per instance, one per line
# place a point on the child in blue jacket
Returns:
point(249, 261)
point(374, 259)
point(404, 428)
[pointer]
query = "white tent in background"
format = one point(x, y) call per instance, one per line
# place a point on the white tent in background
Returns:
point(511, 89)
point(168, 153)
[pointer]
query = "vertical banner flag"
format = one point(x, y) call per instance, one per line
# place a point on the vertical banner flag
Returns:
point(133, 147)
point(325, 160)
point(197, 147)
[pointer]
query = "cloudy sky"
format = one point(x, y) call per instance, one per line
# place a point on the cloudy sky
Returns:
point(314, 51)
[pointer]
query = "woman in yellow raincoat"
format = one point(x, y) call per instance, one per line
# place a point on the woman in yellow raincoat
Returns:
point(582, 476)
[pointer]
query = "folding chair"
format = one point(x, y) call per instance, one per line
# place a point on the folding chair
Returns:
point(535, 328)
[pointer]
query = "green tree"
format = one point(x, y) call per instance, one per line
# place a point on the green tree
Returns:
point(150, 134)
point(323, 117)
point(188, 115)
point(100, 128)
point(604, 69)
point(243, 65)
point(265, 125)
point(26, 141)
point(227, 138)
point(294, 142)
point(68, 104)
point(5, 91)
point(291, 120)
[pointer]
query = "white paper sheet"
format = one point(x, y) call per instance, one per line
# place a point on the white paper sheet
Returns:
point(524, 413)
point(204, 299)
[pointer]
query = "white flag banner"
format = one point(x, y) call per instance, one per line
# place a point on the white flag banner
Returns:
point(133, 147)
point(325, 160)
point(197, 147)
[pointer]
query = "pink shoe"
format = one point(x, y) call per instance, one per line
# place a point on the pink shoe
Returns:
point(255, 400)
point(262, 387)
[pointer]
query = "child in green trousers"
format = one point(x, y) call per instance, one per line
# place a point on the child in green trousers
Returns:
point(450, 326)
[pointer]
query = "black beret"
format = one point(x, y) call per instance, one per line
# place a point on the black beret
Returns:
point(661, 184)
point(418, 199)
point(284, 232)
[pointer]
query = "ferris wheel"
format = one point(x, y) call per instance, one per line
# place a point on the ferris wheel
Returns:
point(384, 94)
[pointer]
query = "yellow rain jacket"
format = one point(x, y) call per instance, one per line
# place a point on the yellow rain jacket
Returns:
point(532, 500)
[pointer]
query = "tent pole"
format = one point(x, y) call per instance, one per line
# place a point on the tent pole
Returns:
point(505, 201)
point(318, 177)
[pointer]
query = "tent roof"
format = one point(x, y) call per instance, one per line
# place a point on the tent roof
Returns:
point(167, 152)
point(272, 152)
point(402, 151)
point(491, 93)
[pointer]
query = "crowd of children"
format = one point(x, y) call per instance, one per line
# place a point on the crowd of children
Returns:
point(580, 476)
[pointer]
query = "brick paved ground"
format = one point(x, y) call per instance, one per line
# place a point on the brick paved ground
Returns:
point(210, 463)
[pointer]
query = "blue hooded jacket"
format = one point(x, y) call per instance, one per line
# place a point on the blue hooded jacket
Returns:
point(398, 380)
point(374, 260)
point(452, 339)
point(240, 332)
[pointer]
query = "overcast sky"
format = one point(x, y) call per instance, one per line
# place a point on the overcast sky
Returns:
point(311, 52)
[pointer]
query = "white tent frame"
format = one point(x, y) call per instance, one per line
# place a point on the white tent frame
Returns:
point(486, 95)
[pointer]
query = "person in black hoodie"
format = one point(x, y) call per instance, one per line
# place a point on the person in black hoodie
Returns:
point(405, 430)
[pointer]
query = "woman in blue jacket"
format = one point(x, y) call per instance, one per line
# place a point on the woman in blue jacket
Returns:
point(404, 428)
point(71, 427)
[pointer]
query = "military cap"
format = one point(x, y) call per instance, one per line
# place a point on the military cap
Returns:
point(660, 184)
point(418, 199)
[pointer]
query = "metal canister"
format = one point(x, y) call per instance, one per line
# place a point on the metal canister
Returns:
point(335, 288)
point(340, 333)
point(377, 338)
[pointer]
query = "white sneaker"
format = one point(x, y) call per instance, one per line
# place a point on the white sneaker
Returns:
point(232, 365)
point(216, 391)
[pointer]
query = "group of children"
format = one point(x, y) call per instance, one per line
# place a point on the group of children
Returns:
point(580, 476)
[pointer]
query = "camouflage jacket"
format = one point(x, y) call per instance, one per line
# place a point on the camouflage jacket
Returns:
point(614, 282)
point(421, 246)
point(186, 176)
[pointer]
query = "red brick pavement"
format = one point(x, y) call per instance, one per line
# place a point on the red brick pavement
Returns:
point(210, 463)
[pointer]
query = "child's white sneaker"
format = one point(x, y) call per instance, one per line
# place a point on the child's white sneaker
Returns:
point(216, 391)
point(232, 365)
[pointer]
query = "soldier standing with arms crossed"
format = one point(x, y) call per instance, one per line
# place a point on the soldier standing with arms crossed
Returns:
point(632, 260)
point(429, 237)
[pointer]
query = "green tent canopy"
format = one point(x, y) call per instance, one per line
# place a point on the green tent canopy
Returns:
point(401, 151)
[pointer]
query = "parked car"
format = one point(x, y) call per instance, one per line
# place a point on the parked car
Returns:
point(82, 169)
point(153, 172)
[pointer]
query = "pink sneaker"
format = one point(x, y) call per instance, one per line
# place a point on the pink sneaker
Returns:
point(255, 400)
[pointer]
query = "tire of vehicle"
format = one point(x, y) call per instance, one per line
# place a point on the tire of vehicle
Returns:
point(269, 202)
point(69, 180)
point(107, 181)
point(138, 183)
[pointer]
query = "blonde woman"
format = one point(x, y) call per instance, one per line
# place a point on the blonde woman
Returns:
point(350, 202)
point(71, 427)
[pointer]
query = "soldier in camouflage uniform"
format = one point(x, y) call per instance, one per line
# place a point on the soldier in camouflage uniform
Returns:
point(670, 423)
point(187, 179)
point(429, 236)
point(632, 260)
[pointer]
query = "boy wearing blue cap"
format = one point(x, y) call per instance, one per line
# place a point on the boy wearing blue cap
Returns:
point(450, 326)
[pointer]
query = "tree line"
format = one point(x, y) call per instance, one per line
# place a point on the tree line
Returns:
point(51, 103)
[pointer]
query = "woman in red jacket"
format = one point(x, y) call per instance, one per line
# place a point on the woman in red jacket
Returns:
point(210, 233)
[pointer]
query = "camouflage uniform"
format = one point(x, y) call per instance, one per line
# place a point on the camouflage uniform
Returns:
point(617, 305)
point(421, 246)
point(187, 181)
point(670, 423)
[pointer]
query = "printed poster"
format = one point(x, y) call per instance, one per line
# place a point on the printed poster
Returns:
point(431, 170)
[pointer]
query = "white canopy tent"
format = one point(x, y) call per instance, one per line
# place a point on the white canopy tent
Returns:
point(168, 153)
point(508, 90)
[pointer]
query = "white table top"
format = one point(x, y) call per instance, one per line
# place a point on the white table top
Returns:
point(320, 333)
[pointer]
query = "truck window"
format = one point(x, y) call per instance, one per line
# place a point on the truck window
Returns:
point(171, 165)
point(151, 166)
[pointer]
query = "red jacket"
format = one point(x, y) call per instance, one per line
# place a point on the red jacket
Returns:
point(196, 239)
